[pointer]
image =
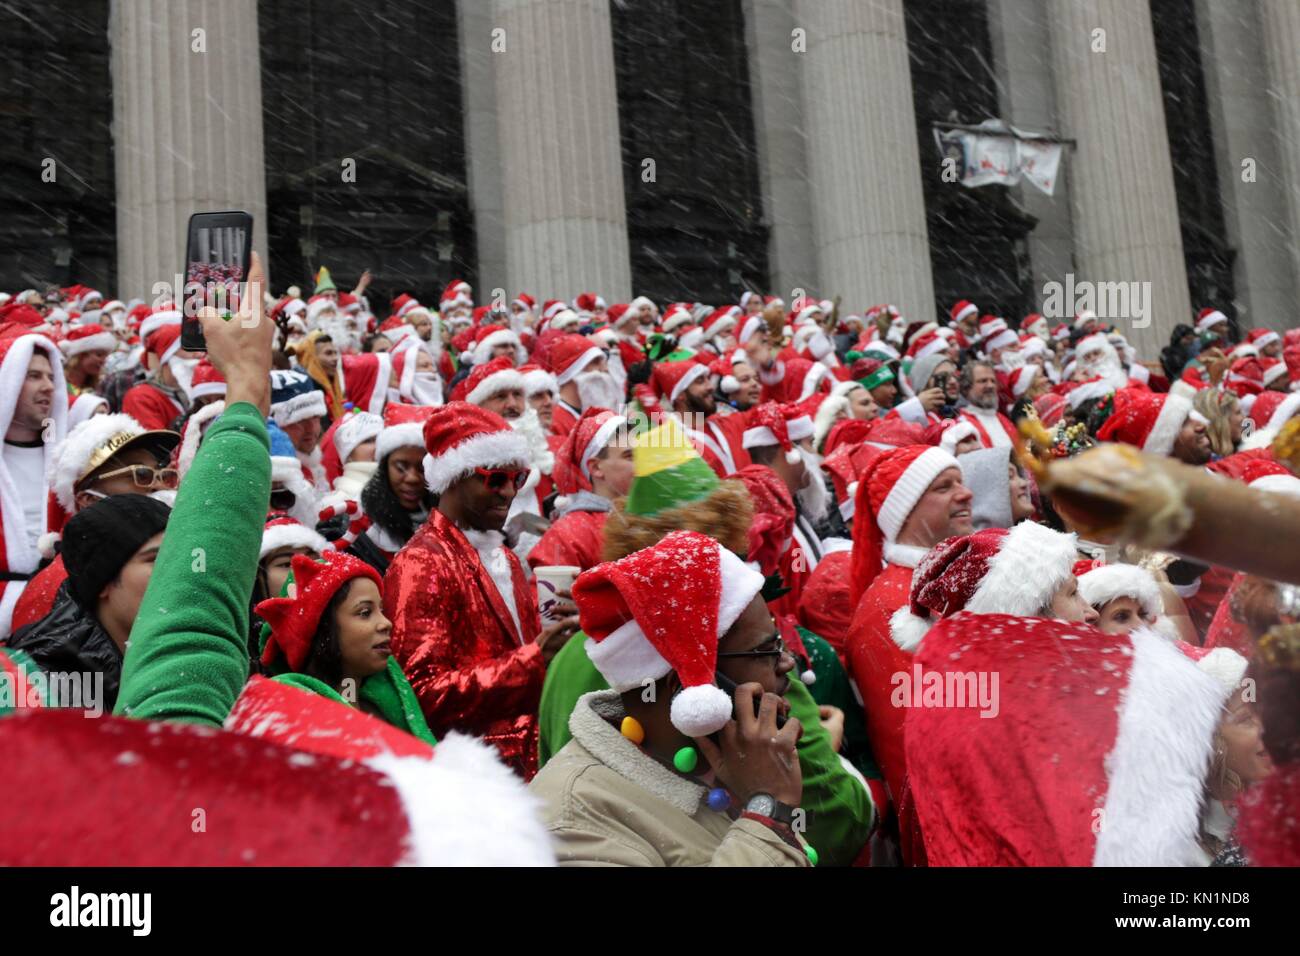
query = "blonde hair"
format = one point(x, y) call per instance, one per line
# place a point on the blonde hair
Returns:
point(1217, 406)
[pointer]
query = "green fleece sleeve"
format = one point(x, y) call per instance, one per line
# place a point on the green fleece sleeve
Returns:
point(569, 675)
point(188, 654)
point(840, 812)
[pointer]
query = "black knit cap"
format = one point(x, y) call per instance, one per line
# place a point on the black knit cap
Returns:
point(98, 541)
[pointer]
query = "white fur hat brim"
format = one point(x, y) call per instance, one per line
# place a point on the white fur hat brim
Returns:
point(69, 461)
point(291, 536)
point(101, 341)
point(489, 450)
point(405, 435)
point(1102, 585)
point(483, 350)
point(502, 381)
point(1032, 563)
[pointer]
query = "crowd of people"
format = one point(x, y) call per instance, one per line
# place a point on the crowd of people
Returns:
point(758, 583)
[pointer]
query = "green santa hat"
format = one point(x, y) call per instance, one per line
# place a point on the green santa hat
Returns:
point(323, 282)
point(668, 471)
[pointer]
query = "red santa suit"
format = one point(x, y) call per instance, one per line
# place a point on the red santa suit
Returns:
point(465, 620)
point(26, 507)
point(569, 355)
point(147, 403)
point(563, 417)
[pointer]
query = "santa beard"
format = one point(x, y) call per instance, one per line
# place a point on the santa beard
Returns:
point(814, 499)
point(598, 390)
point(1107, 365)
point(530, 426)
point(426, 388)
point(183, 371)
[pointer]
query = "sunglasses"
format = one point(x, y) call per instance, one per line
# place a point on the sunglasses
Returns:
point(497, 478)
point(147, 477)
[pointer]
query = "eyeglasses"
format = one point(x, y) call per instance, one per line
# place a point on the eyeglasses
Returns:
point(145, 476)
point(775, 653)
point(497, 478)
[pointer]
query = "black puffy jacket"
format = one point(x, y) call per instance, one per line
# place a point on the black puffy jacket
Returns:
point(68, 640)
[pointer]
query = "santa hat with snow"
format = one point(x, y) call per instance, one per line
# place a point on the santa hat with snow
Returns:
point(777, 425)
point(367, 378)
point(285, 531)
point(486, 380)
point(165, 315)
point(460, 437)
point(403, 428)
point(95, 442)
point(1146, 420)
point(1110, 737)
point(994, 571)
point(487, 338)
point(888, 491)
point(991, 325)
point(18, 556)
point(164, 342)
point(403, 304)
point(593, 431)
point(663, 610)
point(87, 338)
point(1267, 415)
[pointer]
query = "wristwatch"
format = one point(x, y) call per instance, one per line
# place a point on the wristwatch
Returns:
point(766, 805)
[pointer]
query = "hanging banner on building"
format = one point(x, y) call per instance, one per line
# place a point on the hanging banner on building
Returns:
point(995, 152)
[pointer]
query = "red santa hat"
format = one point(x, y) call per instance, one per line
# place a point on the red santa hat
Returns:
point(165, 315)
point(1245, 377)
point(663, 609)
point(994, 571)
point(164, 342)
point(1272, 369)
point(750, 327)
point(538, 380)
point(780, 425)
point(961, 310)
point(206, 381)
point(589, 302)
point(87, 338)
point(721, 321)
point(1207, 319)
point(525, 300)
point(1147, 420)
point(1262, 338)
point(1001, 340)
point(460, 437)
point(403, 428)
point(1102, 584)
point(20, 313)
point(487, 338)
point(1050, 407)
point(564, 320)
point(1082, 319)
point(570, 354)
point(1097, 756)
point(458, 292)
point(677, 316)
point(294, 620)
point(353, 429)
point(285, 531)
point(926, 345)
point(403, 304)
point(1060, 332)
point(1036, 325)
point(552, 308)
point(486, 380)
point(1271, 411)
point(889, 490)
point(1020, 379)
point(592, 432)
point(673, 378)
point(845, 463)
point(991, 325)
point(948, 433)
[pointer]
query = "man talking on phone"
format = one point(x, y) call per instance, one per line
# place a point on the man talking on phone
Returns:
point(667, 768)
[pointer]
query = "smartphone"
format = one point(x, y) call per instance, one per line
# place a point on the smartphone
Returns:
point(728, 687)
point(217, 251)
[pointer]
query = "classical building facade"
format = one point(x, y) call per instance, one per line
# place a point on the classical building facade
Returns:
point(667, 147)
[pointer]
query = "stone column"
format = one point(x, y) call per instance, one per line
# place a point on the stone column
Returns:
point(1023, 62)
point(1280, 21)
point(482, 147)
point(187, 128)
point(557, 121)
point(868, 208)
point(1121, 178)
point(1242, 124)
point(776, 94)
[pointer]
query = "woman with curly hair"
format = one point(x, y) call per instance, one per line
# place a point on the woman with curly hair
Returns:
point(1222, 410)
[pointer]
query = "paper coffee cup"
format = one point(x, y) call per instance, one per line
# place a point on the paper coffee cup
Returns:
point(550, 581)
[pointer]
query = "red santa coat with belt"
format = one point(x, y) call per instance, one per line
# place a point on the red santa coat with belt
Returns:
point(453, 635)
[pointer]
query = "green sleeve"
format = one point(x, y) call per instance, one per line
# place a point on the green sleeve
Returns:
point(188, 653)
point(832, 689)
point(570, 675)
point(840, 812)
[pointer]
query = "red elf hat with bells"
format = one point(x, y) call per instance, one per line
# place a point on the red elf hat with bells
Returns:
point(663, 609)
point(994, 571)
point(888, 491)
point(593, 431)
point(294, 620)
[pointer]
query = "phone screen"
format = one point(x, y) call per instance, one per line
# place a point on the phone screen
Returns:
point(217, 251)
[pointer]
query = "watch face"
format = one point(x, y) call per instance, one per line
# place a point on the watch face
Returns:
point(761, 803)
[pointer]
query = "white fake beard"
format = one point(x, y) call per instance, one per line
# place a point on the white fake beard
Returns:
point(426, 389)
point(598, 390)
point(183, 370)
point(1108, 366)
point(814, 499)
point(616, 371)
point(530, 426)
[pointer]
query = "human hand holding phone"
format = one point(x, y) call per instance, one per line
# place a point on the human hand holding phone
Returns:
point(752, 754)
point(240, 346)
